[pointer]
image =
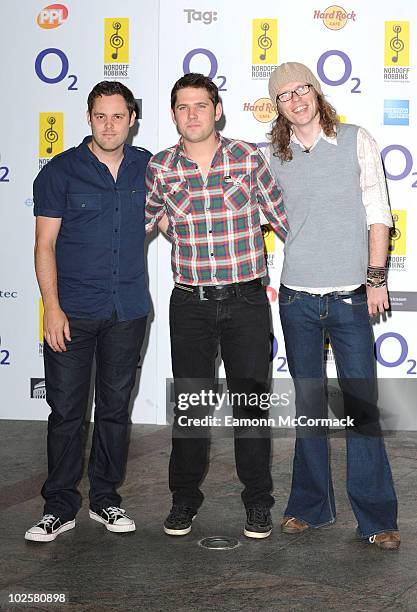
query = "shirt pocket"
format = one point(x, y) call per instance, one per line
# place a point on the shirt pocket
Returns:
point(177, 198)
point(137, 200)
point(83, 213)
point(236, 190)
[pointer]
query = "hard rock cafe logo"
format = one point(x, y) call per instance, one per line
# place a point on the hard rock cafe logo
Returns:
point(51, 136)
point(397, 247)
point(264, 47)
point(116, 48)
point(397, 51)
point(334, 17)
point(262, 110)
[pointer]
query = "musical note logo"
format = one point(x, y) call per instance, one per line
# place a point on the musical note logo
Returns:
point(396, 44)
point(116, 41)
point(264, 42)
point(51, 135)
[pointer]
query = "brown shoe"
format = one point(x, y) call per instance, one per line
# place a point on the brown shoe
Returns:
point(290, 524)
point(387, 540)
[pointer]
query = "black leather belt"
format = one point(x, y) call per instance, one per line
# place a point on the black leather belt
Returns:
point(219, 292)
point(358, 291)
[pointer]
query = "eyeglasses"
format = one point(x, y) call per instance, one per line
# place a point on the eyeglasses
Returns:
point(302, 90)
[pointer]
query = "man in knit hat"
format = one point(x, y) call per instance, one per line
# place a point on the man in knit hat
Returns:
point(333, 279)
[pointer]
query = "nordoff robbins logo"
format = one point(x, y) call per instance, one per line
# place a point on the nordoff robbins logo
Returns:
point(334, 17)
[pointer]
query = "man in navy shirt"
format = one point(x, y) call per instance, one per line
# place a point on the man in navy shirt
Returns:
point(89, 260)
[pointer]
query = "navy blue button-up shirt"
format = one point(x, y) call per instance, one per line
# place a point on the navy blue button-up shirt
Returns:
point(100, 245)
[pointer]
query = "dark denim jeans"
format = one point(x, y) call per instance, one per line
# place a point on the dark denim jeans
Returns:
point(305, 322)
point(116, 346)
point(240, 327)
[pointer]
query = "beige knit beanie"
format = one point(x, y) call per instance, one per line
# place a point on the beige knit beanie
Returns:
point(288, 73)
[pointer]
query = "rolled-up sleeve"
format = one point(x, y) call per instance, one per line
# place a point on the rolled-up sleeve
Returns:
point(372, 181)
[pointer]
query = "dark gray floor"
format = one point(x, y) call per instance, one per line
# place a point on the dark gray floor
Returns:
point(325, 569)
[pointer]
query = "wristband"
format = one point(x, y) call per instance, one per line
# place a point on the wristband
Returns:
point(375, 277)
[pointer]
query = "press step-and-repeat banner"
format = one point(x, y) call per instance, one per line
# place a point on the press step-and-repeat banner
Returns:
point(52, 55)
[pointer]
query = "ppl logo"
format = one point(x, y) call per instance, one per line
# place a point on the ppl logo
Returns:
point(52, 16)
point(271, 293)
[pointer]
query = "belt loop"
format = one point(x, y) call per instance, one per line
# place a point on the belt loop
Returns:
point(201, 293)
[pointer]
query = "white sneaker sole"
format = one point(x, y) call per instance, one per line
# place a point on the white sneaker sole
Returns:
point(179, 532)
point(113, 528)
point(48, 537)
point(256, 534)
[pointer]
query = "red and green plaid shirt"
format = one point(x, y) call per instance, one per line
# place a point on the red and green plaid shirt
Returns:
point(214, 225)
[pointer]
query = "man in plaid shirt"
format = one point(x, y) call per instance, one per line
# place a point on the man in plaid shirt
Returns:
point(207, 192)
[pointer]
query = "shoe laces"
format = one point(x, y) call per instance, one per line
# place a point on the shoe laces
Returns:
point(257, 515)
point(114, 511)
point(47, 520)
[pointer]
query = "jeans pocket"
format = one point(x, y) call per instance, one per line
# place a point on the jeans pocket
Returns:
point(255, 297)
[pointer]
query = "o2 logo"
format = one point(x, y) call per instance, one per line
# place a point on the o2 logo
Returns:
point(64, 69)
point(281, 360)
point(214, 66)
point(403, 345)
point(4, 173)
point(346, 74)
point(4, 356)
point(408, 163)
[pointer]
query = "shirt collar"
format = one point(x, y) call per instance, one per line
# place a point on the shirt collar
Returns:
point(224, 145)
point(85, 153)
point(322, 135)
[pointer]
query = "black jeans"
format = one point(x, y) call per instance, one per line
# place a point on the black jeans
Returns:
point(116, 345)
point(240, 326)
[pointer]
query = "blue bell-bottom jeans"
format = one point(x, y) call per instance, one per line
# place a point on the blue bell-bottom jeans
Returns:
point(306, 321)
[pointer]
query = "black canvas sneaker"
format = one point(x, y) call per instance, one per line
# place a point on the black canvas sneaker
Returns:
point(114, 518)
point(48, 528)
point(179, 520)
point(258, 523)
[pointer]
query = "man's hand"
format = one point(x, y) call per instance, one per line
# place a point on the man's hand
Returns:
point(56, 329)
point(377, 300)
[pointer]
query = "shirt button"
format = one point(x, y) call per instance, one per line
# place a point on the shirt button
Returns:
point(83, 205)
point(211, 254)
point(210, 231)
point(117, 209)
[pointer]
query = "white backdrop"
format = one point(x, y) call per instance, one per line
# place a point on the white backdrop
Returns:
point(53, 55)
